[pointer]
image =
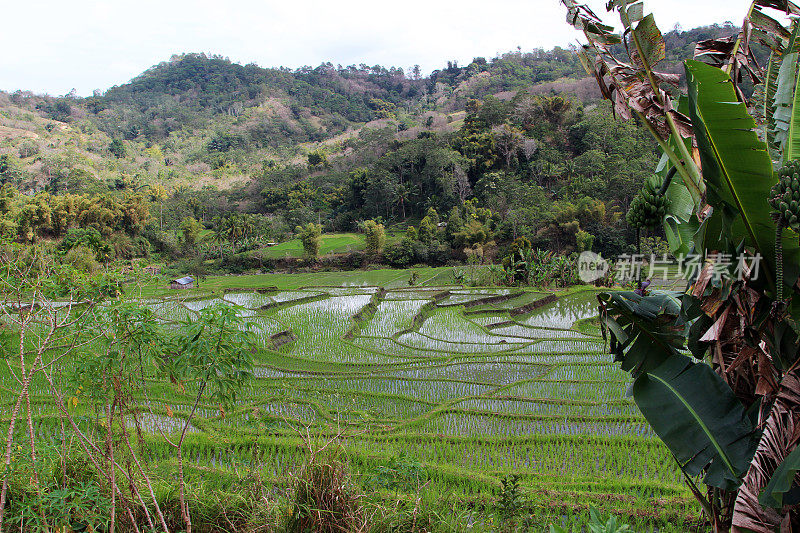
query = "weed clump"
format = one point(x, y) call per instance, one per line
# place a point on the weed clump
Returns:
point(325, 499)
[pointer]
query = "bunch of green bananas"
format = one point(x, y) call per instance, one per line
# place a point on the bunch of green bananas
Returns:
point(785, 195)
point(648, 208)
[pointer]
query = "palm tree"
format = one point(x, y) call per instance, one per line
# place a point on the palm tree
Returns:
point(402, 197)
point(218, 237)
point(158, 194)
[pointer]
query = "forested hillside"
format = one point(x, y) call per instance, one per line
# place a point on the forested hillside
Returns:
point(518, 144)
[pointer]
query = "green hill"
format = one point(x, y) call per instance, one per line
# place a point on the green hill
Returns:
point(199, 120)
point(522, 135)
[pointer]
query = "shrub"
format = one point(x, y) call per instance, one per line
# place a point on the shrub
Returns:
point(122, 245)
point(584, 241)
point(310, 236)
point(89, 237)
point(427, 230)
point(190, 231)
point(82, 258)
point(242, 262)
point(70, 495)
point(400, 254)
point(325, 500)
point(610, 241)
point(654, 245)
point(196, 266)
point(510, 499)
point(421, 250)
point(28, 149)
point(163, 242)
point(375, 237)
point(317, 159)
point(117, 148)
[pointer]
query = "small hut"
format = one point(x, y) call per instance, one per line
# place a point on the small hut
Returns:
point(182, 283)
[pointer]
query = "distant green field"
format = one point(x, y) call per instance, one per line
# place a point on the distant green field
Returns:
point(333, 243)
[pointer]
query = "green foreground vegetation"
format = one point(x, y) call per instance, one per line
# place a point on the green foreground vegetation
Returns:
point(432, 395)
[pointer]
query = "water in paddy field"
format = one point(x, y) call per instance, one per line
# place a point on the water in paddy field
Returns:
point(564, 312)
point(408, 344)
point(410, 363)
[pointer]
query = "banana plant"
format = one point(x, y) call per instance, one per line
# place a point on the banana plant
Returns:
point(716, 369)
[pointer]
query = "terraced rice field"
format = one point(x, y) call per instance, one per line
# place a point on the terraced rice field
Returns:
point(461, 380)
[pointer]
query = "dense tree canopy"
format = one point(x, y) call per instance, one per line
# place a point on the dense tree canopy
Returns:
point(252, 153)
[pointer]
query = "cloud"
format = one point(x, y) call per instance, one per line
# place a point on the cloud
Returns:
point(88, 44)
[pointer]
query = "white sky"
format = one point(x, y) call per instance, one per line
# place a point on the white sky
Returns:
point(50, 46)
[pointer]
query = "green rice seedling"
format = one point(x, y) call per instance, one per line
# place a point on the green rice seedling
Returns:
point(551, 358)
point(396, 350)
point(417, 340)
point(171, 311)
point(586, 390)
point(343, 291)
point(450, 324)
point(197, 305)
point(485, 291)
point(427, 390)
point(392, 316)
point(488, 319)
point(528, 332)
point(564, 346)
point(587, 372)
point(405, 295)
point(506, 302)
point(292, 296)
point(249, 300)
point(484, 425)
point(323, 325)
point(358, 405)
point(480, 372)
point(551, 407)
point(464, 297)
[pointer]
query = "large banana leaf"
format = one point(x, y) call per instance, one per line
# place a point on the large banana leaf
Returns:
point(699, 418)
point(680, 224)
point(737, 170)
point(680, 234)
point(769, 91)
point(786, 132)
point(792, 149)
point(650, 39)
point(688, 405)
point(782, 99)
point(645, 330)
